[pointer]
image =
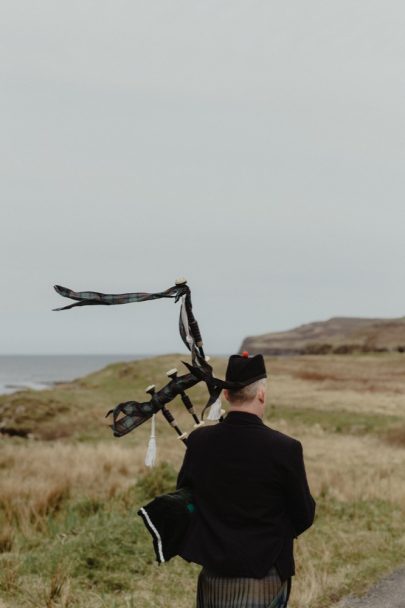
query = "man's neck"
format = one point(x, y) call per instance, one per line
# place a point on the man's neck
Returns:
point(248, 409)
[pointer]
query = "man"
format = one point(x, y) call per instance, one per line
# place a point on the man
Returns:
point(251, 499)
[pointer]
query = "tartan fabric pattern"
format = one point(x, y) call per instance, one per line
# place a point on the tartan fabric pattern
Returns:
point(86, 298)
point(241, 592)
point(188, 326)
point(135, 414)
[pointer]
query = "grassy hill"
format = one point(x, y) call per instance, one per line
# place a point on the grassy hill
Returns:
point(77, 409)
point(69, 491)
point(340, 335)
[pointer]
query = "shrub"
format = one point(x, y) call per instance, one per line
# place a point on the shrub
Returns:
point(159, 480)
point(317, 348)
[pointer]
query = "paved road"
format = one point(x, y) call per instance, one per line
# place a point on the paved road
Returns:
point(389, 592)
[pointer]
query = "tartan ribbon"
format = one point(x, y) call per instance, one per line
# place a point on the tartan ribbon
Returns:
point(188, 326)
point(133, 413)
point(87, 298)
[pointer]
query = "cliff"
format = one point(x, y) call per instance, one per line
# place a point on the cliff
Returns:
point(339, 335)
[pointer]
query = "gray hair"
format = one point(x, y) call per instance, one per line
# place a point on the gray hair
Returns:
point(247, 393)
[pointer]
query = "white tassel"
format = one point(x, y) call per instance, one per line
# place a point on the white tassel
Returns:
point(215, 410)
point(150, 457)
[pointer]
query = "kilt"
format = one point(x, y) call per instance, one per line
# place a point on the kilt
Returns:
point(242, 592)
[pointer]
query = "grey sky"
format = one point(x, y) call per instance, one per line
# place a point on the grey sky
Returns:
point(255, 147)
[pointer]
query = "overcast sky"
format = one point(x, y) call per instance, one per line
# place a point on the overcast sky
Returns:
point(255, 147)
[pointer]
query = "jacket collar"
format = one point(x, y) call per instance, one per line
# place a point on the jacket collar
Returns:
point(235, 417)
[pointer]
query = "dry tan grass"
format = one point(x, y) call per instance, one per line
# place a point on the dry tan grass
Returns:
point(42, 474)
point(38, 477)
point(343, 467)
point(367, 383)
point(349, 467)
point(355, 468)
point(396, 437)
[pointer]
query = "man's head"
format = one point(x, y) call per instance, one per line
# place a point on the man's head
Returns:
point(248, 375)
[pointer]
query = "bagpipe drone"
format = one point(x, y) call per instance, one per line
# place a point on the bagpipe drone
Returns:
point(131, 414)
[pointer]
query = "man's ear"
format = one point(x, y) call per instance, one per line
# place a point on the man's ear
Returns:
point(225, 393)
point(261, 394)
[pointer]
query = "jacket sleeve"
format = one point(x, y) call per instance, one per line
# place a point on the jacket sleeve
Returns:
point(300, 504)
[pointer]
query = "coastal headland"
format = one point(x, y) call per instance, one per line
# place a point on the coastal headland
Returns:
point(339, 336)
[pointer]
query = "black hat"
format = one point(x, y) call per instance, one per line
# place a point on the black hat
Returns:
point(244, 369)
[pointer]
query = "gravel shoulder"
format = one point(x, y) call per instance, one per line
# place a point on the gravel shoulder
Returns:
point(389, 592)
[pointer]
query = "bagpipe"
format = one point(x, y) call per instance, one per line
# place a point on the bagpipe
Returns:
point(129, 415)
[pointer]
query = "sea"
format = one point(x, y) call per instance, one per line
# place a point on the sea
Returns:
point(18, 372)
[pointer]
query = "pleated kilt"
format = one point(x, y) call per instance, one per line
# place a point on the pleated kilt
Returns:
point(229, 592)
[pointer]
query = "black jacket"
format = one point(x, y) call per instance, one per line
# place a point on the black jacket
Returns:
point(251, 495)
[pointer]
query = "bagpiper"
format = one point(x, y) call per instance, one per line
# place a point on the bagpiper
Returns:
point(242, 493)
point(251, 497)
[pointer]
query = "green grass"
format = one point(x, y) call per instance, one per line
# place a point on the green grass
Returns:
point(102, 551)
point(85, 550)
point(77, 409)
point(94, 547)
point(354, 543)
point(338, 421)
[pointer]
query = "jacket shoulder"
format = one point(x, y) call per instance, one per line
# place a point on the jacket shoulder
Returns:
point(205, 433)
point(201, 432)
point(283, 439)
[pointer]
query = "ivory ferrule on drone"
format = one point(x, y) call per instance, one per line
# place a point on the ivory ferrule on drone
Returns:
point(151, 390)
point(172, 374)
